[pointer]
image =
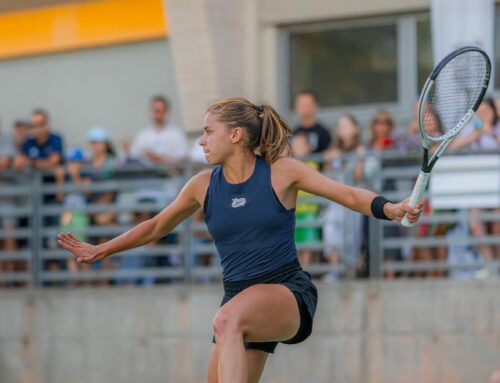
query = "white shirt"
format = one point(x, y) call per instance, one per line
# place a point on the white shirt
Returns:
point(485, 141)
point(170, 141)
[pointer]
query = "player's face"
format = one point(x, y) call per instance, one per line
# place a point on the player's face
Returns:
point(216, 140)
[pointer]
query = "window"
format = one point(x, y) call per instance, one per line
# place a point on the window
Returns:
point(425, 62)
point(348, 66)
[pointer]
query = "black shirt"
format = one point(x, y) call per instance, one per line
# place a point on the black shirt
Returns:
point(319, 137)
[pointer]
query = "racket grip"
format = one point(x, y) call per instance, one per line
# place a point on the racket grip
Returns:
point(418, 191)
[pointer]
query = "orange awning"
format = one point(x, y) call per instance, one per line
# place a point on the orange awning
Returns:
point(80, 25)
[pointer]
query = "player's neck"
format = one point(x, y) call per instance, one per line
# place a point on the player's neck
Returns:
point(239, 168)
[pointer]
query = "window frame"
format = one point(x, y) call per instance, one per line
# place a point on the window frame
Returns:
point(407, 67)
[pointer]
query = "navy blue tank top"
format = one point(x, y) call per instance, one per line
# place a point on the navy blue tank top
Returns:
point(252, 230)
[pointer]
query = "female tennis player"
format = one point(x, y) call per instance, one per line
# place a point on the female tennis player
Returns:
point(248, 199)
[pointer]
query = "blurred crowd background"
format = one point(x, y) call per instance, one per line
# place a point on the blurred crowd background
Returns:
point(101, 116)
point(327, 234)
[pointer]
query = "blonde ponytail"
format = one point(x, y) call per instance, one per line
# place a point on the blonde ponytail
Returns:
point(274, 135)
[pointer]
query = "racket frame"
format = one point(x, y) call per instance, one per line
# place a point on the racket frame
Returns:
point(428, 164)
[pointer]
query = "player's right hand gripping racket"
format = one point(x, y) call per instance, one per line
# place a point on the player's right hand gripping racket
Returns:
point(449, 99)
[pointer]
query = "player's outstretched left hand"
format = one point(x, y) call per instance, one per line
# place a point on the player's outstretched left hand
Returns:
point(397, 211)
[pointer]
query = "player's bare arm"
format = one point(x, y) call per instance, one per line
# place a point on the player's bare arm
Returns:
point(187, 202)
point(305, 178)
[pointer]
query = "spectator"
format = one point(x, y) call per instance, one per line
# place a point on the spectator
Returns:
point(381, 129)
point(20, 131)
point(100, 167)
point(409, 139)
point(7, 221)
point(483, 133)
point(342, 230)
point(162, 142)
point(44, 149)
point(305, 211)
point(75, 217)
point(7, 152)
point(306, 107)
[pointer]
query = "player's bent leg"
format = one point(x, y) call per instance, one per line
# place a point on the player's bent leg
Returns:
point(260, 313)
point(256, 360)
point(212, 365)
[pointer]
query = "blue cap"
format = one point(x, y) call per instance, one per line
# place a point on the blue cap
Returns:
point(98, 134)
point(75, 154)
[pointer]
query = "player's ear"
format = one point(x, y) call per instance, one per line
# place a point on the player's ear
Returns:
point(236, 135)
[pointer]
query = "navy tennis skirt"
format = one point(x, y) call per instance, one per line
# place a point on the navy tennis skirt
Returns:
point(299, 282)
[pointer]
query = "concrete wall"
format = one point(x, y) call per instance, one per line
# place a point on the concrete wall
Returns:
point(109, 86)
point(381, 332)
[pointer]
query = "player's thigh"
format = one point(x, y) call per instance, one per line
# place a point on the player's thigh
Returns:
point(256, 360)
point(263, 313)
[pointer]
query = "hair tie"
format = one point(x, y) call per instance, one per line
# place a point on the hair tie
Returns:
point(260, 110)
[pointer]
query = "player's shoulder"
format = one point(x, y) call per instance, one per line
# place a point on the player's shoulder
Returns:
point(202, 178)
point(286, 165)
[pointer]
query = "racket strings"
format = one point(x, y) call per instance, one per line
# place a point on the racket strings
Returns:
point(454, 92)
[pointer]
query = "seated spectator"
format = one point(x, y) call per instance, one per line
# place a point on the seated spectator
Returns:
point(162, 142)
point(305, 211)
point(306, 107)
point(342, 229)
point(43, 149)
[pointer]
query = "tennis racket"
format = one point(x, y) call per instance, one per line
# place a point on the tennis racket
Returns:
point(449, 100)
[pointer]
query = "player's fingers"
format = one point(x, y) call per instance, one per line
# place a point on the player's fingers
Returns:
point(411, 209)
point(421, 203)
point(67, 239)
point(67, 246)
point(72, 236)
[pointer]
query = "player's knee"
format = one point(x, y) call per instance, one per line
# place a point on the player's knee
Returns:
point(225, 323)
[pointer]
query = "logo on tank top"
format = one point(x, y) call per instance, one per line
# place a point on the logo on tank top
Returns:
point(238, 202)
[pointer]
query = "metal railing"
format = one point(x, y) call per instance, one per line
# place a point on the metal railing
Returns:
point(187, 254)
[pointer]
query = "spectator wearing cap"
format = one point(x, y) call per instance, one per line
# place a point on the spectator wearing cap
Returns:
point(162, 142)
point(100, 167)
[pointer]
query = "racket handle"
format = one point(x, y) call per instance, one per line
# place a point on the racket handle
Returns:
point(418, 191)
